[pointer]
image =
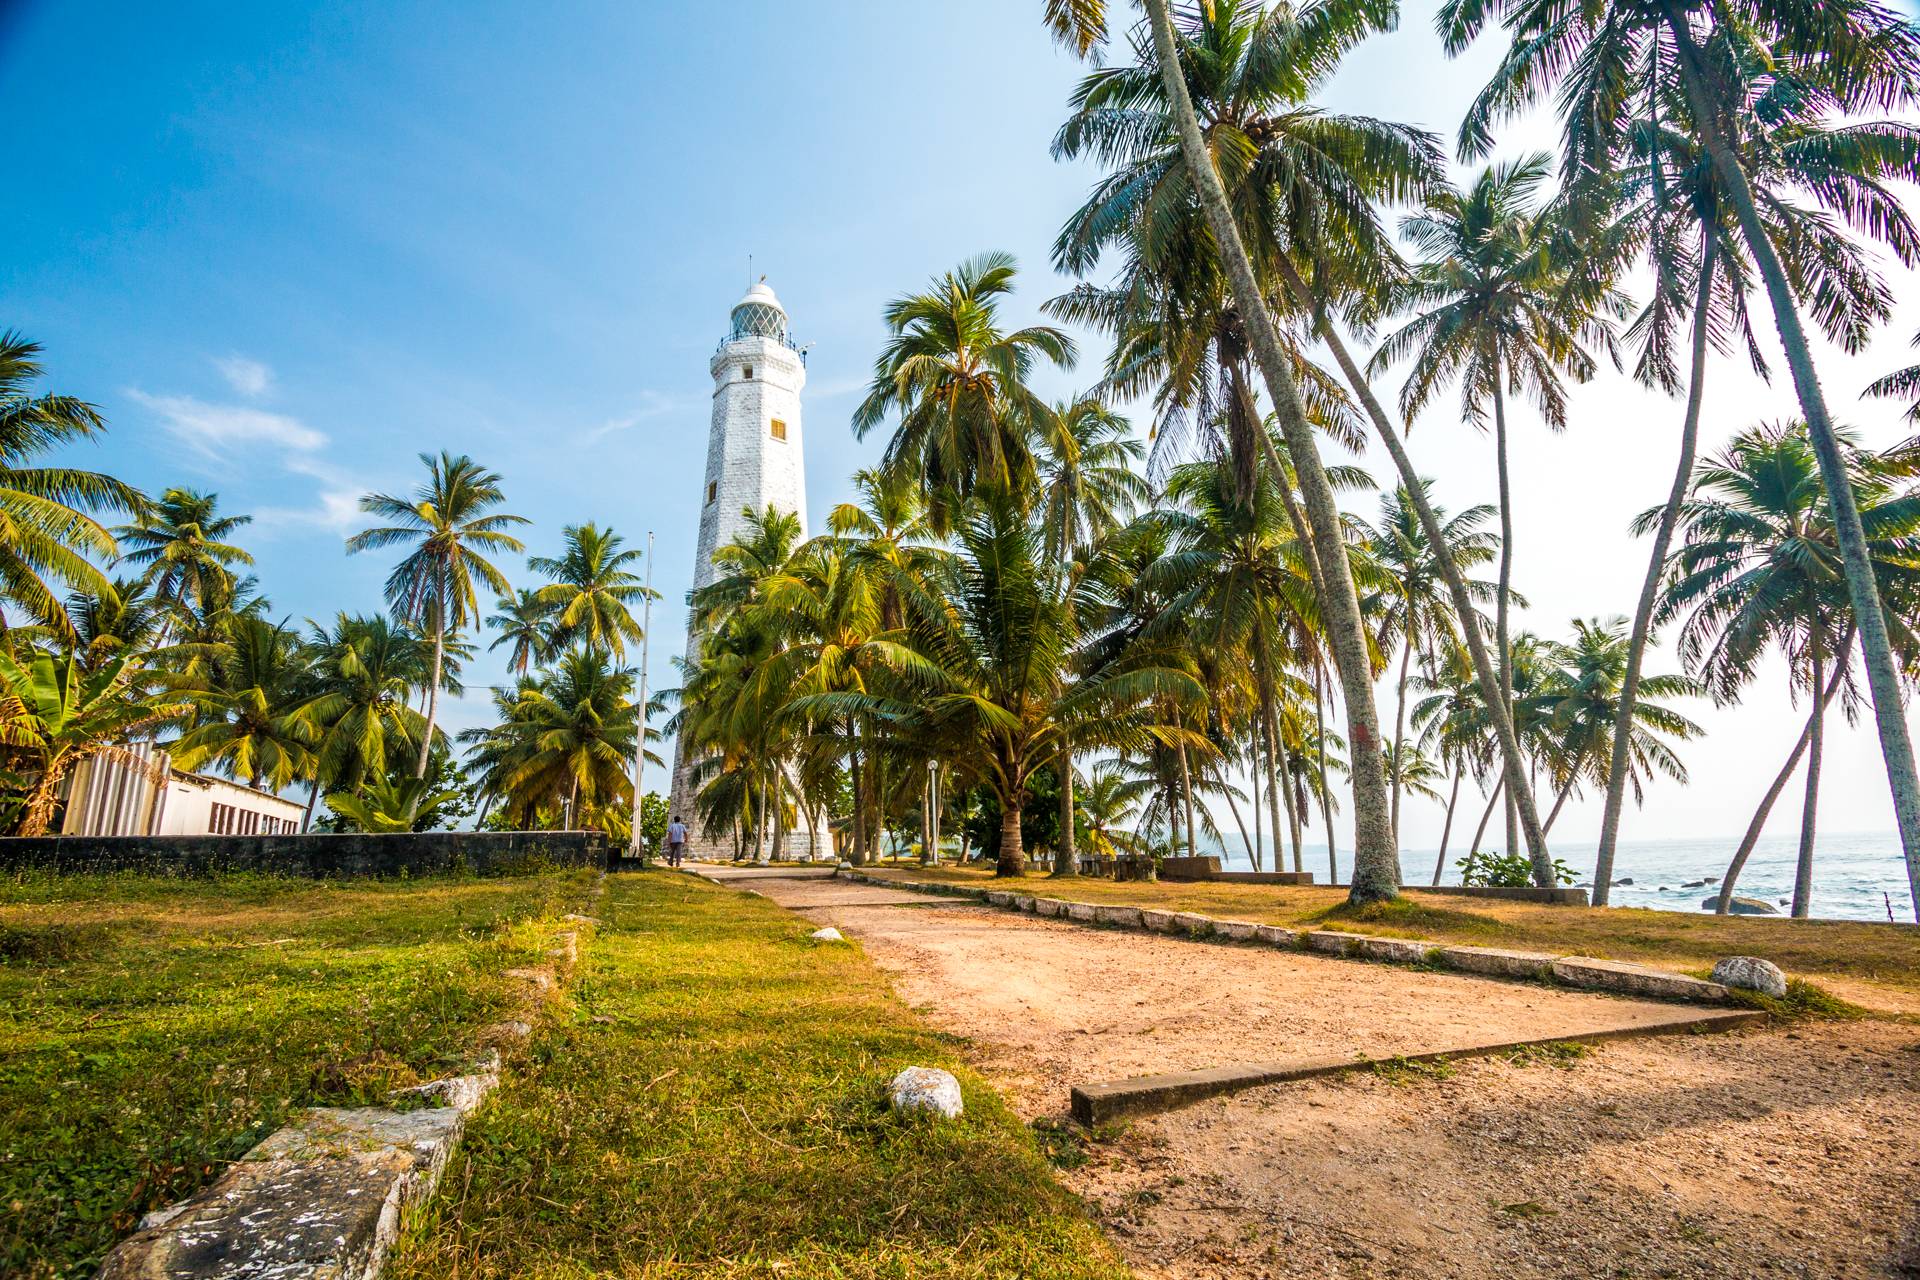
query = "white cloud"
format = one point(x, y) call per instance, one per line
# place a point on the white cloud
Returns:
point(248, 377)
point(216, 428)
point(652, 405)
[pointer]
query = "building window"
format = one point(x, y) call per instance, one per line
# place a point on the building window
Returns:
point(713, 491)
point(748, 374)
point(779, 429)
point(221, 823)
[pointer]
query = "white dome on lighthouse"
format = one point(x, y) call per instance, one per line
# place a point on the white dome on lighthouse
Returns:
point(759, 314)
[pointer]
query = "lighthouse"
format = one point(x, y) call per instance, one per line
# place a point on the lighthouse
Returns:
point(754, 459)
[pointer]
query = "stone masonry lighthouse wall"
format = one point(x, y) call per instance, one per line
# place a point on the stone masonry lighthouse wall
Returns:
point(756, 384)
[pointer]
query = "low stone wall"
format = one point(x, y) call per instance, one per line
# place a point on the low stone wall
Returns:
point(319, 856)
point(1205, 867)
point(1511, 893)
point(1262, 877)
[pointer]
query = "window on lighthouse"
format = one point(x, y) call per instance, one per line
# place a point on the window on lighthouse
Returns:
point(746, 372)
point(779, 429)
point(713, 490)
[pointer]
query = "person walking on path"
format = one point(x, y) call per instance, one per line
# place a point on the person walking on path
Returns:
point(676, 841)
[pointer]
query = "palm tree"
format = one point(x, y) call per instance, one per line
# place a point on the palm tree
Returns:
point(360, 712)
point(184, 548)
point(46, 541)
point(55, 713)
point(390, 804)
point(1502, 305)
point(1413, 605)
point(1760, 569)
point(1106, 804)
point(1735, 61)
point(1454, 728)
point(125, 621)
point(967, 418)
point(1581, 705)
point(1376, 873)
point(1088, 485)
point(593, 590)
point(525, 625)
point(246, 704)
point(564, 747)
point(451, 525)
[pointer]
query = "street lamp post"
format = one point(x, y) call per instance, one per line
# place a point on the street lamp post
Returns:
point(640, 747)
point(933, 813)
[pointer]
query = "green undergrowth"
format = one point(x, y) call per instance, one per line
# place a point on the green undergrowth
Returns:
point(714, 1104)
point(153, 1029)
point(1804, 1000)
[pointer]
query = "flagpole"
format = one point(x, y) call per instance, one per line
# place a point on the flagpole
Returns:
point(640, 748)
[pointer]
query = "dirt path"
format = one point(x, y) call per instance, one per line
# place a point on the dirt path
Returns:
point(1772, 1153)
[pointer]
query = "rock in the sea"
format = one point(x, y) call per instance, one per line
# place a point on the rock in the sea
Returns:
point(1751, 973)
point(828, 934)
point(926, 1089)
point(1624, 880)
point(1741, 906)
point(1694, 884)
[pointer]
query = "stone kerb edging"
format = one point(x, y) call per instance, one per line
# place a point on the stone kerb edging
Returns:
point(1583, 972)
point(323, 1198)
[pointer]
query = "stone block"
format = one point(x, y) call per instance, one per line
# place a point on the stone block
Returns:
point(1084, 912)
point(1495, 962)
point(999, 898)
point(1026, 902)
point(1235, 930)
point(1193, 924)
point(1275, 936)
point(1125, 917)
point(1159, 921)
point(1049, 907)
point(1332, 942)
point(1634, 980)
point(1393, 950)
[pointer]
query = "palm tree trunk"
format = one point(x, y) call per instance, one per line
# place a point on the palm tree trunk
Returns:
point(1759, 822)
point(1558, 801)
point(1013, 859)
point(760, 818)
point(1063, 856)
point(1816, 743)
point(1186, 797)
point(1485, 673)
point(1259, 849)
point(1656, 569)
point(1375, 872)
point(1492, 799)
point(1400, 724)
point(433, 698)
point(1883, 674)
point(1226, 789)
point(1502, 620)
point(1270, 741)
point(313, 794)
point(1283, 783)
point(1446, 828)
point(858, 835)
point(1326, 794)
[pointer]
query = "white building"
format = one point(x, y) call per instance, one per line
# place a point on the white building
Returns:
point(754, 459)
point(136, 791)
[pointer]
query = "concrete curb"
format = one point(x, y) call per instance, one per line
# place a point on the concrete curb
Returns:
point(1145, 1095)
point(1613, 977)
point(323, 1198)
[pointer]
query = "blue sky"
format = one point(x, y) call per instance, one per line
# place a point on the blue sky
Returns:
point(286, 247)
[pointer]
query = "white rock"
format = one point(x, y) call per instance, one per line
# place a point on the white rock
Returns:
point(926, 1089)
point(828, 934)
point(1751, 973)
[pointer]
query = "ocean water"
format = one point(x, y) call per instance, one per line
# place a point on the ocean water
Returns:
point(1855, 877)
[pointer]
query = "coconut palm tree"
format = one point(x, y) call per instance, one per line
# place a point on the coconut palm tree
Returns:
point(1500, 308)
point(1581, 705)
point(526, 627)
point(1088, 483)
point(1413, 605)
point(360, 711)
point(1760, 569)
point(451, 525)
point(184, 547)
point(1454, 729)
point(47, 542)
point(1107, 803)
point(126, 621)
point(1179, 65)
point(246, 702)
point(1738, 60)
point(593, 591)
point(958, 383)
point(563, 749)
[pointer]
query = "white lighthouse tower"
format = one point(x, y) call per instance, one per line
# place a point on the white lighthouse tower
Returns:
point(754, 459)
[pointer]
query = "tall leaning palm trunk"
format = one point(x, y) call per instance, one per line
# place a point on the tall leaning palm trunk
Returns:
point(1376, 861)
point(1883, 676)
point(1514, 761)
point(1656, 569)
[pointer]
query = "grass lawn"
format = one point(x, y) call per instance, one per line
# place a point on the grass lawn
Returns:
point(714, 1105)
point(1868, 960)
point(152, 1030)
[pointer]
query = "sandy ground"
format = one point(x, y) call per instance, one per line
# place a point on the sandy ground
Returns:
point(1783, 1152)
